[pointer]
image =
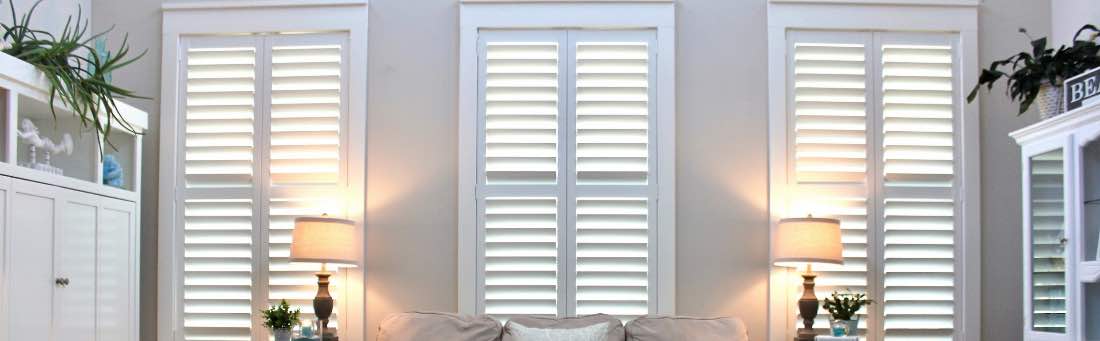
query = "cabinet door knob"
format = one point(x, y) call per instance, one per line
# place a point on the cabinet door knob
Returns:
point(61, 282)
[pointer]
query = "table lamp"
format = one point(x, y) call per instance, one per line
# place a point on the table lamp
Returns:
point(325, 240)
point(809, 240)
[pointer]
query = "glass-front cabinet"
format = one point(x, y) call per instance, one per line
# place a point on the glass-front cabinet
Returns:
point(1061, 226)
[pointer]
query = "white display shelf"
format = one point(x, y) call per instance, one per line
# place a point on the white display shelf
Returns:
point(24, 95)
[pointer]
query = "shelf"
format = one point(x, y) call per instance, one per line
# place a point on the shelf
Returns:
point(25, 107)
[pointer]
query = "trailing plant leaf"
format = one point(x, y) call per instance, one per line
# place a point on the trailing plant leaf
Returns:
point(77, 82)
point(1043, 66)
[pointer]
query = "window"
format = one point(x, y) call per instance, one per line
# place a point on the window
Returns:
point(873, 145)
point(262, 141)
point(259, 128)
point(568, 164)
point(871, 128)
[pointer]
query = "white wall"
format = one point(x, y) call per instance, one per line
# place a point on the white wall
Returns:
point(1068, 17)
point(721, 162)
point(50, 15)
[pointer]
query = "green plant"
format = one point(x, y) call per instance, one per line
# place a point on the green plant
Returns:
point(280, 316)
point(1043, 65)
point(842, 306)
point(78, 79)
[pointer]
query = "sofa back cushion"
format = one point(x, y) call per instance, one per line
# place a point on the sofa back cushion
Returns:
point(615, 330)
point(678, 328)
point(421, 326)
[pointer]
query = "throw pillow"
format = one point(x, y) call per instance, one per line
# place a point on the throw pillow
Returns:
point(596, 332)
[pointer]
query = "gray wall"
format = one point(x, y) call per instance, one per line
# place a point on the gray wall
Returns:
point(722, 156)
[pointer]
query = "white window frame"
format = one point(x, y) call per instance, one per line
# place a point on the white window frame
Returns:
point(958, 17)
point(476, 15)
point(244, 17)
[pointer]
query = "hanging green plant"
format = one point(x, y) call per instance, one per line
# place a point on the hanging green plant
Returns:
point(77, 73)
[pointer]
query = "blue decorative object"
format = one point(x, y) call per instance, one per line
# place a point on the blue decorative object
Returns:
point(112, 171)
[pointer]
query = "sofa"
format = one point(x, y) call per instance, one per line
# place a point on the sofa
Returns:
point(434, 326)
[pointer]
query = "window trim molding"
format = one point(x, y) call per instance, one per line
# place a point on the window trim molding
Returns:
point(232, 17)
point(877, 15)
point(474, 16)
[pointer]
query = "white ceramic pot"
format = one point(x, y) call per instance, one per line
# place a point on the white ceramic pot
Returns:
point(1050, 101)
point(281, 334)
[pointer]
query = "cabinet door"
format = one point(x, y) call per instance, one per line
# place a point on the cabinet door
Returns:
point(29, 257)
point(75, 262)
point(5, 189)
point(1046, 253)
point(116, 309)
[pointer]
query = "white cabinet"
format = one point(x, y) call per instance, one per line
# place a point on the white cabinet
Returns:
point(1061, 208)
point(69, 264)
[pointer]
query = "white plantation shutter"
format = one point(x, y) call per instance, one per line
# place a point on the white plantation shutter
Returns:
point(565, 195)
point(305, 114)
point(263, 145)
point(611, 194)
point(218, 239)
point(873, 131)
point(521, 256)
point(918, 206)
point(831, 79)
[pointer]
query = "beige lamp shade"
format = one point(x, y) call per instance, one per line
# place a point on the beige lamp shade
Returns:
point(324, 240)
point(807, 240)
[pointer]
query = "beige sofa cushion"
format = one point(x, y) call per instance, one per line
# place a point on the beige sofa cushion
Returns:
point(674, 328)
point(614, 333)
point(419, 326)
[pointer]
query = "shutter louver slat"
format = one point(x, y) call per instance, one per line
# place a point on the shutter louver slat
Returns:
point(919, 224)
point(217, 292)
point(217, 234)
point(612, 256)
point(305, 115)
point(612, 113)
point(830, 127)
point(521, 256)
point(1048, 287)
point(219, 117)
point(521, 113)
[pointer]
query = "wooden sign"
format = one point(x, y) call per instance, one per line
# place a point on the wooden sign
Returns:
point(1082, 90)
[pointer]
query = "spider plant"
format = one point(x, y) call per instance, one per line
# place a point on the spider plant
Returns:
point(77, 82)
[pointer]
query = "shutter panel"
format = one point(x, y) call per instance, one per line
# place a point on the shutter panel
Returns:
point(305, 114)
point(612, 256)
point(306, 158)
point(612, 87)
point(218, 153)
point(1048, 253)
point(612, 113)
point(521, 256)
point(830, 113)
point(918, 197)
point(219, 117)
point(521, 112)
point(830, 134)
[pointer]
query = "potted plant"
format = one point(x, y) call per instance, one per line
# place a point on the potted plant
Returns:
point(280, 319)
point(1039, 74)
point(78, 74)
point(843, 308)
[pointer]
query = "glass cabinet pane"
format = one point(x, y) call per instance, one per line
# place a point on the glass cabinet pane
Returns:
point(1090, 223)
point(1048, 243)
